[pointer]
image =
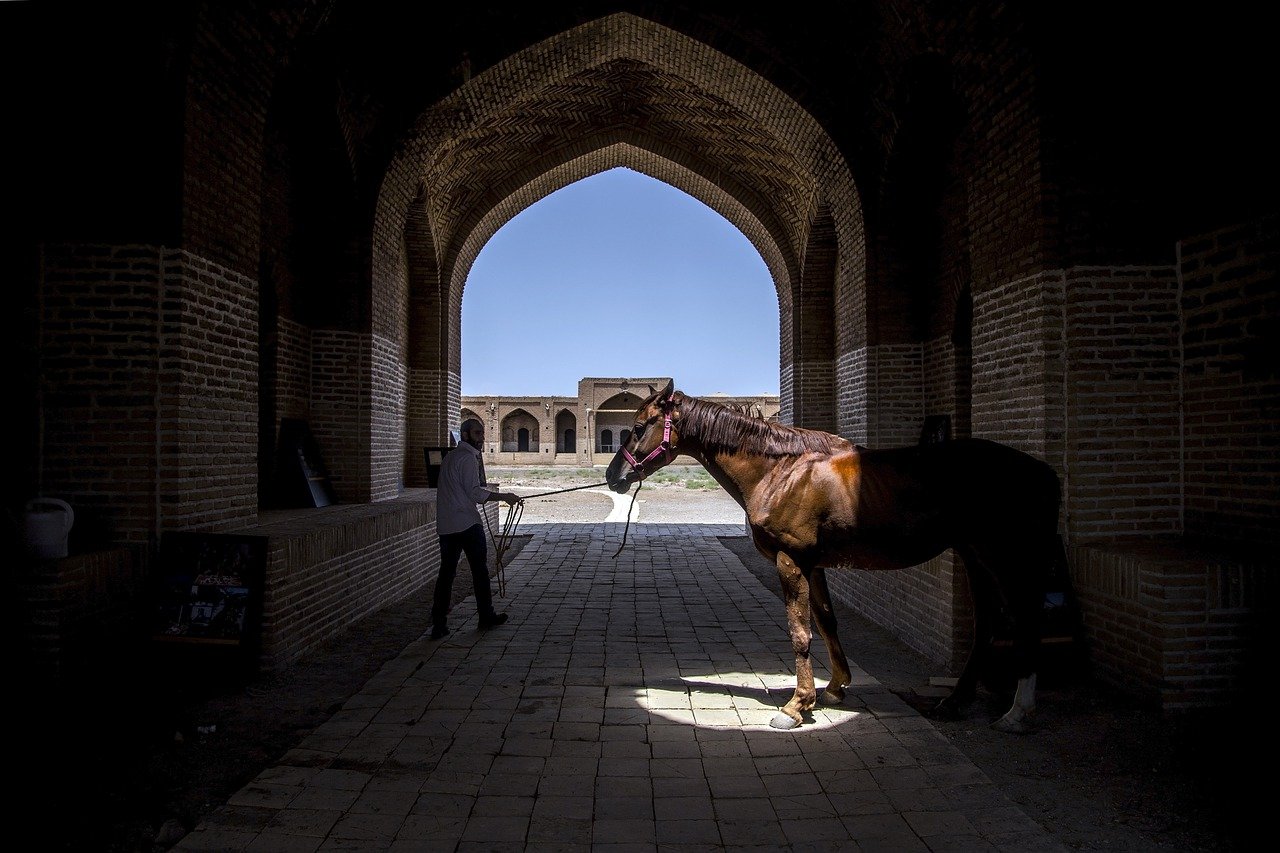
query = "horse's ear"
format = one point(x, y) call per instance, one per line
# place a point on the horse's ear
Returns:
point(669, 390)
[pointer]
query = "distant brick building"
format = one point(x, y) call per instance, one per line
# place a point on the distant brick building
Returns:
point(584, 430)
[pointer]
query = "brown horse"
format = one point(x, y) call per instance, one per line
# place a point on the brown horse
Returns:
point(816, 501)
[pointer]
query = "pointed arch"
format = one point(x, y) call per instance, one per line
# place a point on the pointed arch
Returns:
point(514, 423)
point(618, 91)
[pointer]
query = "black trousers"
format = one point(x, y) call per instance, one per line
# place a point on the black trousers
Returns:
point(452, 546)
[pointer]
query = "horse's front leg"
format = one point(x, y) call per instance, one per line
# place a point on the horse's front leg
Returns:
point(825, 616)
point(795, 593)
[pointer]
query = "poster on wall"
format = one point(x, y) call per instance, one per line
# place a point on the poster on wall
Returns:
point(211, 588)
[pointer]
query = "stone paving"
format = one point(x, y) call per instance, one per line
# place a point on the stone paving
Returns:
point(624, 707)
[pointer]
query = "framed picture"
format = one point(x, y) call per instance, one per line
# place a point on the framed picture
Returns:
point(211, 589)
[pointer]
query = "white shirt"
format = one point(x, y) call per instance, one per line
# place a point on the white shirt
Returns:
point(459, 490)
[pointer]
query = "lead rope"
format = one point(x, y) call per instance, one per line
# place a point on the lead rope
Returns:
point(503, 541)
point(634, 495)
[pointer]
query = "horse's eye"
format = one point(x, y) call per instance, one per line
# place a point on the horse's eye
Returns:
point(638, 432)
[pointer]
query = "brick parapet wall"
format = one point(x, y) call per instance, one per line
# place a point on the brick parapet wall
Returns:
point(1231, 302)
point(1172, 624)
point(329, 568)
point(1123, 432)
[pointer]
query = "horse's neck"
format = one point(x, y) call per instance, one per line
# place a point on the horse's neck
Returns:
point(738, 473)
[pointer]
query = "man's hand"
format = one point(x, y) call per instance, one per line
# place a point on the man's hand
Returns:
point(510, 498)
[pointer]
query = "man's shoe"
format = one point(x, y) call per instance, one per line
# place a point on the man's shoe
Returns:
point(492, 621)
point(439, 631)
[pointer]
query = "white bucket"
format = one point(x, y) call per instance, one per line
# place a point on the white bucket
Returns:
point(46, 523)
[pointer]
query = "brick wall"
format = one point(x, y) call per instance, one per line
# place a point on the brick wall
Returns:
point(100, 386)
point(926, 606)
point(852, 395)
point(79, 613)
point(208, 440)
point(942, 396)
point(150, 403)
point(1231, 302)
point(813, 331)
point(388, 421)
point(814, 406)
point(894, 384)
point(229, 82)
point(1018, 365)
point(293, 370)
point(1123, 432)
point(786, 392)
point(340, 409)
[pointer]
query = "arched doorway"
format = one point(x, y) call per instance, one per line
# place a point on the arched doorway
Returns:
point(772, 171)
point(566, 432)
point(519, 433)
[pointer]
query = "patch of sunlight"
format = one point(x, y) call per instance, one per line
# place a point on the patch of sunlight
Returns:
point(738, 700)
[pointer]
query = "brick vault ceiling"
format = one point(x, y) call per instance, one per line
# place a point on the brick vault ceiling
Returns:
point(469, 172)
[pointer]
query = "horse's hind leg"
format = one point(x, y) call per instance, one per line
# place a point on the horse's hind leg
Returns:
point(985, 598)
point(1027, 601)
point(824, 614)
point(1023, 577)
point(795, 593)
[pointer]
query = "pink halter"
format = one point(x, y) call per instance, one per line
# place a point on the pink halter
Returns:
point(663, 449)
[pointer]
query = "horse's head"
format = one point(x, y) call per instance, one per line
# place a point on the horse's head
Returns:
point(653, 442)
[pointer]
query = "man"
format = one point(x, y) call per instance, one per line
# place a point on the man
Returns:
point(462, 530)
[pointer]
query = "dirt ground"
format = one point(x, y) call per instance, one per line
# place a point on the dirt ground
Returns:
point(139, 754)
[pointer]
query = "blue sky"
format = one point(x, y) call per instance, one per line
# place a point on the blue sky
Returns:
point(619, 275)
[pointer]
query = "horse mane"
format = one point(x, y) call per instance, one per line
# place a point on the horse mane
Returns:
point(721, 427)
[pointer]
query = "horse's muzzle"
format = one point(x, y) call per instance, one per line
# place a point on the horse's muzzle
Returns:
point(614, 476)
point(620, 484)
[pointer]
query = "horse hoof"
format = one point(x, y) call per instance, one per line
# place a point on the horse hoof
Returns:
point(784, 722)
point(831, 698)
point(945, 710)
point(1011, 725)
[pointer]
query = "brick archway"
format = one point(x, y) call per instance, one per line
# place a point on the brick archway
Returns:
point(619, 91)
